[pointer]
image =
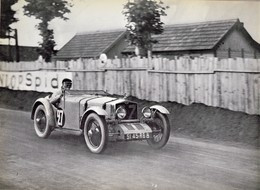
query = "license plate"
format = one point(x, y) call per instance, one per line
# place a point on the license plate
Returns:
point(137, 136)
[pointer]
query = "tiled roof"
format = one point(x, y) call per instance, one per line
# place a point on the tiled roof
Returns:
point(88, 45)
point(195, 36)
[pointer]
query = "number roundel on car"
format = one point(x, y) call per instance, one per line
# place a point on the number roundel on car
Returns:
point(60, 117)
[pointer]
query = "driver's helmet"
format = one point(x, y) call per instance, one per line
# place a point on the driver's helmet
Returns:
point(67, 83)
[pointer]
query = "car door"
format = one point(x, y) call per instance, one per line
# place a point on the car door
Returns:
point(69, 111)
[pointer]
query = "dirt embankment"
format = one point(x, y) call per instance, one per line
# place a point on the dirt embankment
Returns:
point(195, 120)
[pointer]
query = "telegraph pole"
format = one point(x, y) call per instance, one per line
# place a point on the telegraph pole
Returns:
point(0, 17)
point(0, 10)
point(16, 46)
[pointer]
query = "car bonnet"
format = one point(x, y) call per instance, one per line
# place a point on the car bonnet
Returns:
point(99, 100)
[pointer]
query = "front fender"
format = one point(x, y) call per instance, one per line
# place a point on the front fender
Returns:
point(48, 107)
point(95, 109)
point(161, 109)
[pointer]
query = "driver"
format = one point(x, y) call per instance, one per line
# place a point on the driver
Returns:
point(56, 96)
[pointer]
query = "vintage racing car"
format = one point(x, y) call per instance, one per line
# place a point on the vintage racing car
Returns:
point(101, 118)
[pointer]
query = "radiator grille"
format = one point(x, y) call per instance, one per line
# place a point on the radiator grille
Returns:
point(131, 109)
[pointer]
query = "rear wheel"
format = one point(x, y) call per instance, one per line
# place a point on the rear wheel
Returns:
point(41, 125)
point(161, 131)
point(95, 133)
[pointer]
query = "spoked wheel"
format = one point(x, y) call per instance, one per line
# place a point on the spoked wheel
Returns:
point(161, 131)
point(41, 125)
point(95, 133)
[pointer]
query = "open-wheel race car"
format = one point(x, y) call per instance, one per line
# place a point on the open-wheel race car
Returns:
point(101, 118)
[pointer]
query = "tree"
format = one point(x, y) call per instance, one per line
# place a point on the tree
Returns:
point(143, 20)
point(7, 17)
point(46, 11)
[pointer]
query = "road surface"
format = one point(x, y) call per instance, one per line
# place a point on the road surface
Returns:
point(63, 162)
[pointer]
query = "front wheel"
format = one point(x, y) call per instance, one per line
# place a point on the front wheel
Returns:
point(95, 133)
point(41, 124)
point(161, 131)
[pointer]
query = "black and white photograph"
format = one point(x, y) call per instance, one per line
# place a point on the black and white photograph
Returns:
point(129, 94)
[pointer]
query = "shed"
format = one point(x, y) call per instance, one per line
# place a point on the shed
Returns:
point(223, 39)
point(92, 44)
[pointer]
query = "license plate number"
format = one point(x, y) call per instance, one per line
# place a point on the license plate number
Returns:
point(137, 136)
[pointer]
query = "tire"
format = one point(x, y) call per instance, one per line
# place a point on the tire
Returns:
point(159, 140)
point(95, 133)
point(41, 125)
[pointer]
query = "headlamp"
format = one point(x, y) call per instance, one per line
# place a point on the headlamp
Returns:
point(121, 112)
point(147, 112)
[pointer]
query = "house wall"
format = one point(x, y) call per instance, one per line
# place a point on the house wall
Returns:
point(237, 45)
point(192, 54)
point(116, 49)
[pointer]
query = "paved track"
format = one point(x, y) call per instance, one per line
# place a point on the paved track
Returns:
point(63, 162)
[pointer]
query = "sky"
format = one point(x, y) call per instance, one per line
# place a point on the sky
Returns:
point(94, 15)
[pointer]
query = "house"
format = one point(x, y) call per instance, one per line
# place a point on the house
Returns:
point(92, 44)
point(26, 53)
point(222, 39)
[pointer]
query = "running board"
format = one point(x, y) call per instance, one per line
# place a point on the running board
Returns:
point(73, 131)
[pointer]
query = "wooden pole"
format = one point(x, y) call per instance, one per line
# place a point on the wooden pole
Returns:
point(0, 12)
point(16, 46)
point(9, 48)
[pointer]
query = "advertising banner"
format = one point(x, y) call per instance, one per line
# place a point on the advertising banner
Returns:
point(42, 81)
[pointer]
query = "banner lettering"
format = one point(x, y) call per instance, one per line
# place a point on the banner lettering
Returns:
point(42, 81)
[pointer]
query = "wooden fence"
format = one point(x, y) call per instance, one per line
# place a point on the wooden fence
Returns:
point(226, 83)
